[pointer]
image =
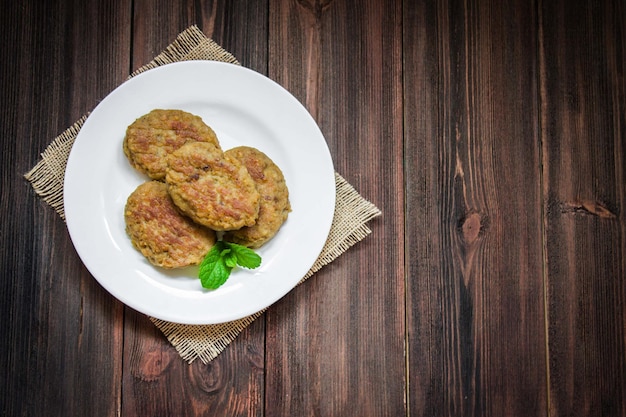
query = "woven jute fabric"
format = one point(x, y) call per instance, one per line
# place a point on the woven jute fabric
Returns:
point(352, 211)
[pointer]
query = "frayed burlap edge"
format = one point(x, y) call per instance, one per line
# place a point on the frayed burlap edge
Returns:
point(352, 212)
point(48, 175)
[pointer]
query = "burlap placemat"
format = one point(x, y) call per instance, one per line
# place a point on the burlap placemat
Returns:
point(352, 212)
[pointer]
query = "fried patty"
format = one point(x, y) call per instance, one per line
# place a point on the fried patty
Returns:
point(160, 232)
point(212, 188)
point(153, 136)
point(274, 207)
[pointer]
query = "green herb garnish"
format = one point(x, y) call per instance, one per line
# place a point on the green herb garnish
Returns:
point(221, 259)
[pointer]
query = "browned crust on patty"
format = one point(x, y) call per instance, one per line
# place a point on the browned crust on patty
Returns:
point(153, 136)
point(160, 232)
point(213, 189)
point(274, 207)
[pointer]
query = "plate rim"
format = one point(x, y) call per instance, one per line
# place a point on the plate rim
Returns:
point(82, 137)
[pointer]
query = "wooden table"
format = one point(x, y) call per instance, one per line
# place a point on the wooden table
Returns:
point(492, 136)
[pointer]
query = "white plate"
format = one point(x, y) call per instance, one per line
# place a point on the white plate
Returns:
point(244, 108)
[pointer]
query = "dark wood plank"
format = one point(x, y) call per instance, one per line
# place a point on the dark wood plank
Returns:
point(474, 232)
point(61, 333)
point(240, 27)
point(156, 24)
point(335, 344)
point(583, 56)
point(157, 381)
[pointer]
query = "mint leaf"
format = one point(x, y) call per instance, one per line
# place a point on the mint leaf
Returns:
point(216, 266)
point(213, 270)
point(246, 257)
point(229, 257)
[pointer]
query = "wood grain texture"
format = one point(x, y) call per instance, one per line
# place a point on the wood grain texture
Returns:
point(335, 344)
point(473, 230)
point(240, 27)
point(150, 38)
point(158, 383)
point(583, 56)
point(57, 321)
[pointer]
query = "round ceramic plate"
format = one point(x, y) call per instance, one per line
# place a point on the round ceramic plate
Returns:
point(244, 108)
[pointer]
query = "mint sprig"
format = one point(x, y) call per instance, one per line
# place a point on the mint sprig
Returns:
point(216, 266)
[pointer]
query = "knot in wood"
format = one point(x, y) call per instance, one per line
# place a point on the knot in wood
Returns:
point(210, 379)
point(470, 227)
point(151, 366)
